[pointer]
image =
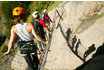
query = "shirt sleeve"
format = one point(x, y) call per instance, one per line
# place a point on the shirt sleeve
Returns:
point(42, 23)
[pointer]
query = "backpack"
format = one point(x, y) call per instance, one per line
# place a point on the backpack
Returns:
point(39, 28)
point(42, 17)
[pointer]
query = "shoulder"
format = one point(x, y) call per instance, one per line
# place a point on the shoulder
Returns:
point(13, 27)
point(29, 25)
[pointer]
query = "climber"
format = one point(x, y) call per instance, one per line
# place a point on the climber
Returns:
point(45, 17)
point(25, 31)
point(38, 25)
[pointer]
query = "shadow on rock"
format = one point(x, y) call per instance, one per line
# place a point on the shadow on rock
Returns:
point(75, 43)
point(96, 62)
point(90, 50)
point(69, 45)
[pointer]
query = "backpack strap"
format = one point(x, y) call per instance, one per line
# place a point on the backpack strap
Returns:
point(42, 17)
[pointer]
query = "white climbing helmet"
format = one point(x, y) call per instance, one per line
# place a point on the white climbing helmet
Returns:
point(44, 10)
point(35, 14)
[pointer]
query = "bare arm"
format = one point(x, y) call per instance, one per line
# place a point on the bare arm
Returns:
point(12, 37)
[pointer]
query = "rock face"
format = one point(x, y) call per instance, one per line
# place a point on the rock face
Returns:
point(78, 33)
point(18, 62)
point(80, 22)
point(96, 62)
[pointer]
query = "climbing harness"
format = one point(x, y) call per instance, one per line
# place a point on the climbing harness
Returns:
point(27, 47)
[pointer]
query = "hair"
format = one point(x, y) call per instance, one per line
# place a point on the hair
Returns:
point(21, 18)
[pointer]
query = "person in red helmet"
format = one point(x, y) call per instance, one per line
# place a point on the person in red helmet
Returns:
point(25, 31)
point(45, 17)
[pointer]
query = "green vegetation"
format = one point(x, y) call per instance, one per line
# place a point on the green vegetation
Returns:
point(0, 6)
point(1, 27)
point(3, 49)
point(7, 7)
point(46, 69)
point(55, 4)
point(91, 19)
point(98, 16)
point(40, 6)
point(8, 26)
point(1, 54)
point(30, 6)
